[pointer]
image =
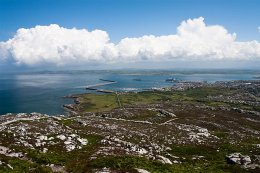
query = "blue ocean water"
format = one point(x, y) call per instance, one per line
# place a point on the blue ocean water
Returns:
point(43, 91)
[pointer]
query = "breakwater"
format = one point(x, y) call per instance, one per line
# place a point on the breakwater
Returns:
point(106, 82)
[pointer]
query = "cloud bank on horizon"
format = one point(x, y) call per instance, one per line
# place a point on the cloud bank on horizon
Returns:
point(59, 46)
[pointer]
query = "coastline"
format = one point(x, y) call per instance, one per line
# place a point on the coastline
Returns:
point(175, 128)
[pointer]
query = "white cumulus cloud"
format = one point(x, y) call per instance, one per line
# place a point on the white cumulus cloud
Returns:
point(61, 46)
point(58, 45)
point(193, 40)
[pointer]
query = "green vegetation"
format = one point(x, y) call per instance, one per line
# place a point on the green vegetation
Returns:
point(107, 102)
point(21, 166)
point(202, 93)
point(50, 157)
point(73, 161)
point(58, 156)
point(129, 163)
point(77, 159)
point(98, 102)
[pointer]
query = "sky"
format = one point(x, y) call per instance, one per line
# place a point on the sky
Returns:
point(106, 33)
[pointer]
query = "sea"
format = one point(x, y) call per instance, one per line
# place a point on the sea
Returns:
point(44, 91)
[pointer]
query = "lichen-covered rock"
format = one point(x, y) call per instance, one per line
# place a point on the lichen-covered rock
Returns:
point(245, 161)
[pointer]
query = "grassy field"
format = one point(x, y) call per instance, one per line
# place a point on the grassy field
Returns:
point(107, 102)
point(98, 102)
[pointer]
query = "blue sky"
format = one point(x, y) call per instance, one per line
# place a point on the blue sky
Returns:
point(122, 19)
point(130, 18)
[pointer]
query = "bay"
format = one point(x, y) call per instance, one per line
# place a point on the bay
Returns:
point(43, 91)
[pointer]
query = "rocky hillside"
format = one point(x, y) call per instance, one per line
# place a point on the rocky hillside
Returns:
point(187, 128)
